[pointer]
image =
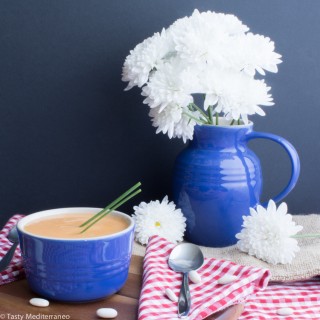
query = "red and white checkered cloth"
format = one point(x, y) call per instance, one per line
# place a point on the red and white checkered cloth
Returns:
point(301, 296)
point(15, 270)
point(261, 300)
point(208, 297)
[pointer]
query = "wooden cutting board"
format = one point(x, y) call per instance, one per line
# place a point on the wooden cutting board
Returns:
point(15, 296)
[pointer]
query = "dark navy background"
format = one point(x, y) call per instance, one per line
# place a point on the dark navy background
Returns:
point(70, 135)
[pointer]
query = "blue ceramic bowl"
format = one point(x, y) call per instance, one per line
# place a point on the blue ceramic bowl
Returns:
point(76, 270)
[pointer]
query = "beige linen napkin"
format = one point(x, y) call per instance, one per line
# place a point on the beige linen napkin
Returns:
point(305, 265)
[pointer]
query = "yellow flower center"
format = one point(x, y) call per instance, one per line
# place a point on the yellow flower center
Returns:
point(157, 224)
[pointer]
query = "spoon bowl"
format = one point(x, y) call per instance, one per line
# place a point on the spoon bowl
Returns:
point(12, 237)
point(184, 258)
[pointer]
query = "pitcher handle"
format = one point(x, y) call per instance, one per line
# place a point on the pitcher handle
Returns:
point(293, 155)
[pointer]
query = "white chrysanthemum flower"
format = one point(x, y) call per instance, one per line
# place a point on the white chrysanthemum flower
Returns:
point(166, 120)
point(201, 36)
point(166, 87)
point(185, 127)
point(145, 57)
point(159, 218)
point(267, 234)
point(253, 52)
point(235, 94)
point(174, 121)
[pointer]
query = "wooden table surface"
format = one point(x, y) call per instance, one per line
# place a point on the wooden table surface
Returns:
point(15, 296)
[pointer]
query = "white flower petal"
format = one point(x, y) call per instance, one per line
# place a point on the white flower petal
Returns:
point(261, 210)
point(259, 111)
point(210, 100)
point(283, 208)
point(252, 212)
point(271, 207)
point(245, 118)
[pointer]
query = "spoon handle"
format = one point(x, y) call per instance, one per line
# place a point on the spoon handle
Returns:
point(184, 302)
point(5, 261)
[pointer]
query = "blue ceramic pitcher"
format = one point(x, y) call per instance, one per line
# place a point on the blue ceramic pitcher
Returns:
point(217, 178)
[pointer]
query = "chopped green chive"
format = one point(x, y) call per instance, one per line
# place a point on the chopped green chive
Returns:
point(130, 193)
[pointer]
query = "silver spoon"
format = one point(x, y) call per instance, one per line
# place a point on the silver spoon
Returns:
point(184, 258)
point(13, 237)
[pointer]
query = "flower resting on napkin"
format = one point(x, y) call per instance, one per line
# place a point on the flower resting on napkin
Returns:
point(208, 297)
point(15, 270)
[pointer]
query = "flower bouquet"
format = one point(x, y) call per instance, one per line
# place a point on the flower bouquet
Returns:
point(208, 54)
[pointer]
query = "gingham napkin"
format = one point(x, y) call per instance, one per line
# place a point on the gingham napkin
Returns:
point(208, 297)
point(303, 297)
point(15, 270)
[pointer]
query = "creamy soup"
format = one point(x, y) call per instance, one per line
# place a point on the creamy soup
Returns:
point(67, 226)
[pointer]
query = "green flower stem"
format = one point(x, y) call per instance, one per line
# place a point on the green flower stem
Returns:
point(232, 122)
point(205, 116)
point(217, 118)
point(210, 115)
point(306, 235)
point(239, 122)
point(194, 118)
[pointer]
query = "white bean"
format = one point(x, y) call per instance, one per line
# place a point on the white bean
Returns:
point(226, 279)
point(107, 313)
point(284, 311)
point(39, 302)
point(194, 276)
point(169, 293)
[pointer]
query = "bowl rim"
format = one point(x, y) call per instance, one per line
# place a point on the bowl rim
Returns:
point(69, 210)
